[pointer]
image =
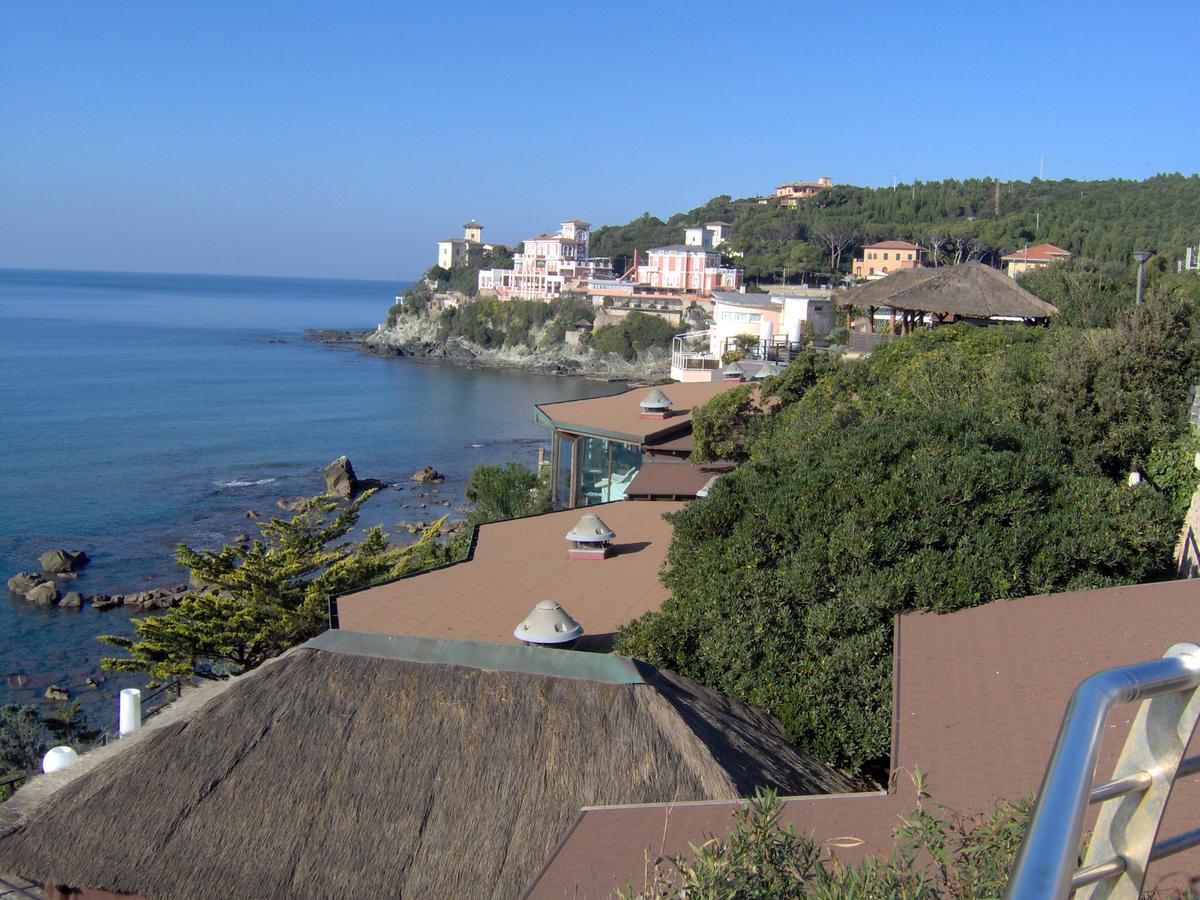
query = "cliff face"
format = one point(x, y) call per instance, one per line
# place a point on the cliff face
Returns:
point(418, 336)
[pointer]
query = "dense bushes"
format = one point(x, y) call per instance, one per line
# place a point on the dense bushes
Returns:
point(634, 334)
point(494, 324)
point(939, 853)
point(951, 468)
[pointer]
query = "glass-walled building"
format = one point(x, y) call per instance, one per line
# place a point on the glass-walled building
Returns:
point(599, 445)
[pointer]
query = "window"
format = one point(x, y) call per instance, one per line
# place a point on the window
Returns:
point(885, 256)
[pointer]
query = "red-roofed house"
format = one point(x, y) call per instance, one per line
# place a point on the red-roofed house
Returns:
point(886, 257)
point(1030, 259)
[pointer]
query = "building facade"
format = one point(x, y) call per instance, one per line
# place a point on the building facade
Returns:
point(458, 251)
point(693, 266)
point(885, 257)
point(548, 264)
point(1030, 259)
point(794, 191)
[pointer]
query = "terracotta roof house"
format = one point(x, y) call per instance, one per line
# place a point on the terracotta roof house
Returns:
point(1029, 259)
point(971, 291)
point(886, 257)
point(599, 444)
point(373, 766)
point(979, 695)
point(515, 564)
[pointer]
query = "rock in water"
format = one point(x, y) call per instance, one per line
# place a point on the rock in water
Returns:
point(44, 594)
point(57, 693)
point(428, 475)
point(73, 598)
point(340, 479)
point(55, 562)
point(23, 582)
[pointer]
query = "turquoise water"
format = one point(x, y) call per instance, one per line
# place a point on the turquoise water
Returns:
point(138, 411)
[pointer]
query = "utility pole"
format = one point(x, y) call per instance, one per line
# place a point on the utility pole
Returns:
point(1141, 256)
point(996, 205)
point(1042, 168)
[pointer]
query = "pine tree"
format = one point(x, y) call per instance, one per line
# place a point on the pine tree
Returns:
point(264, 597)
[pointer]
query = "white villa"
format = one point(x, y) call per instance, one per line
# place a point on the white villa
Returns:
point(548, 264)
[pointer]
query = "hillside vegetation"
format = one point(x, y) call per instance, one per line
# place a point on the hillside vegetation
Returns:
point(979, 218)
point(951, 468)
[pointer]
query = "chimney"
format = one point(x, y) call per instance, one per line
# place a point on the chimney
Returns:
point(655, 405)
point(548, 625)
point(590, 538)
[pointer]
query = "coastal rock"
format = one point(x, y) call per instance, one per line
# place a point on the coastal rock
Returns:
point(340, 479)
point(23, 582)
point(54, 562)
point(296, 504)
point(105, 601)
point(93, 682)
point(428, 475)
point(16, 680)
point(72, 599)
point(57, 693)
point(44, 594)
point(252, 514)
point(196, 583)
point(242, 538)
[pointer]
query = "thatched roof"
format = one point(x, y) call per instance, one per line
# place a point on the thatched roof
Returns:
point(972, 290)
point(378, 768)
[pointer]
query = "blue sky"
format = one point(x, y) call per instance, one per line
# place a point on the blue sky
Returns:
point(344, 139)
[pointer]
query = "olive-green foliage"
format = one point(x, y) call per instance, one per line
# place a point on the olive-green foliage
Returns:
point(266, 596)
point(951, 468)
point(512, 323)
point(939, 853)
point(634, 334)
point(1102, 220)
point(506, 492)
point(26, 734)
point(725, 427)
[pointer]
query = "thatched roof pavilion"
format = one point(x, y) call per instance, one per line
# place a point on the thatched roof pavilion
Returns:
point(968, 291)
point(374, 765)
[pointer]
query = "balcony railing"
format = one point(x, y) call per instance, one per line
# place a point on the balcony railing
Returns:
point(1132, 802)
point(695, 361)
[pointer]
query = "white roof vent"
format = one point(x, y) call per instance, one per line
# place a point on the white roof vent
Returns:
point(59, 758)
point(549, 625)
point(590, 538)
point(655, 405)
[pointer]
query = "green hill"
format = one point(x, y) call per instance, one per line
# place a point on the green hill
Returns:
point(979, 218)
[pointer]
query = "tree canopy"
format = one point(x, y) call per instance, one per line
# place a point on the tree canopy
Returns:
point(950, 468)
point(273, 593)
point(978, 218)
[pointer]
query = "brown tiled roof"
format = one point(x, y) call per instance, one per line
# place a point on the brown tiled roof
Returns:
point(1037, 253)
point(619, 415)
point(671, 480)
point(892, 245)
point(980, 697)
point(515, 564)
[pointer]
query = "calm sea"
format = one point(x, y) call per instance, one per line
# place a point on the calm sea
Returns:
point(139, 410)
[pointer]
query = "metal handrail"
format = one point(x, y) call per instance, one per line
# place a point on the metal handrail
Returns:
point(1132, 802)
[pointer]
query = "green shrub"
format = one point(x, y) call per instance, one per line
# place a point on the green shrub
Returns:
point(944, 471)
point(939, 853)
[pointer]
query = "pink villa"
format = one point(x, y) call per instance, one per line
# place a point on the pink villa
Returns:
point(693, 266)
point(547, 265)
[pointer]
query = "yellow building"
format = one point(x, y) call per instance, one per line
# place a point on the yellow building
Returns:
point(1030, 259)
point(886, 257)
point(457, 251)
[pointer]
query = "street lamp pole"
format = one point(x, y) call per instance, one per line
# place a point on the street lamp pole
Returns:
point(1141, 256)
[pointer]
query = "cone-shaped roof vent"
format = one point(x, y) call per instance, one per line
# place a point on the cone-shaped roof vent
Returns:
point(590, 529)
point(655, 401)
point(549, 625)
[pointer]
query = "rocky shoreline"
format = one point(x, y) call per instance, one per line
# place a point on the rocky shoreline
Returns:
point(417, 339)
